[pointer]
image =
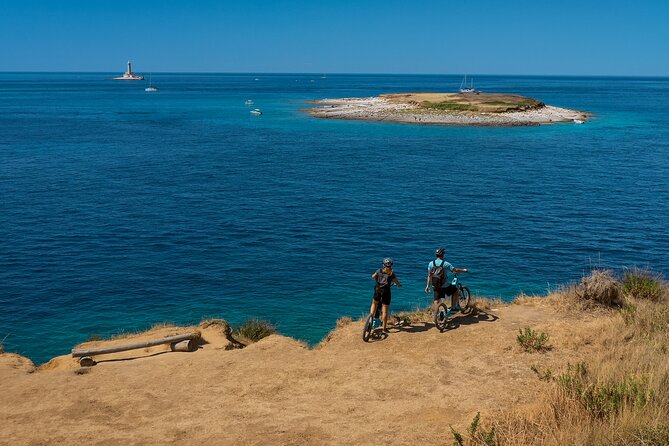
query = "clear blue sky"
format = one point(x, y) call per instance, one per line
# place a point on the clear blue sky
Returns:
point(583, 37)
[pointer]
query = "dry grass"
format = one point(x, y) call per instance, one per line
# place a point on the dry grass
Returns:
point(128, 334)
point(620, 396)
point(416, 316)
point(254, 330)
point(483, 304)
point(341, 323)
point(484, 102)
point(221, 324)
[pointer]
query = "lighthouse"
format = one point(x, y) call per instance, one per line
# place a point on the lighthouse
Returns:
point(129, 75)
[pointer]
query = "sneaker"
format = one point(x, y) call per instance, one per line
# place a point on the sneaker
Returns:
point(384, 332)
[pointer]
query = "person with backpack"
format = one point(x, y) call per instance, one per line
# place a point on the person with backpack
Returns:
point(384, 277)
point(437, 277)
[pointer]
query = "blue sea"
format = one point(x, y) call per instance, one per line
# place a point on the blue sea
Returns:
point(120, 209)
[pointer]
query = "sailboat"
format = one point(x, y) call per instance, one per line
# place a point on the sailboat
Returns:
point(151, 88)
point(464, 88)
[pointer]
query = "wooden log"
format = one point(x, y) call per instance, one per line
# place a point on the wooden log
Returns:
point(86, 361)
point(189, 345)
point(122, 348)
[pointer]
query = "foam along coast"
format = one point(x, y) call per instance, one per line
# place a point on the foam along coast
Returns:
point(466, 109)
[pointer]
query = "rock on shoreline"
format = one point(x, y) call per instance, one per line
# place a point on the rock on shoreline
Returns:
point(403, 108)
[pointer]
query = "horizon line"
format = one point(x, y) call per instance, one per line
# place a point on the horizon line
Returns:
point(321, 73)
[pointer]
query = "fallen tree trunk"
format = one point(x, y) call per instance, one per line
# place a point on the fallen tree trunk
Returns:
point(76, 353)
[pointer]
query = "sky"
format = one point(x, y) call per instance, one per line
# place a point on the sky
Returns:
point(567, 37)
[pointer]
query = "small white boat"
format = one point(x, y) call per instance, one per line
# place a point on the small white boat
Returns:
point(151, 88)
point(579, 121)
point(129, 75)
point(248, 102)
point(256, 111)
point(467, 89)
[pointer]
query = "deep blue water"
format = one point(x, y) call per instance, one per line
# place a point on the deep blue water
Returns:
point(120, 209)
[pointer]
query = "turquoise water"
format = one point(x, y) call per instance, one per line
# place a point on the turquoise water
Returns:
point(120, 209)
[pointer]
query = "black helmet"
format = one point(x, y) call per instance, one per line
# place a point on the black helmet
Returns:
point(388, 262)
point(439, 252)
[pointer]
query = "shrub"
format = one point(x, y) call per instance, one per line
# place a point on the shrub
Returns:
point(343, 321)
point(254, 330)
point(600, 287)
point(532, 341)
point(448, 106)
point(418, 315)
point(605, 399)
point(644, 284)
point(477, 435)
point(628, 312)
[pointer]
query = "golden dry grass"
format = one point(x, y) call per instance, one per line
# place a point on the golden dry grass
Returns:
point(619, 396)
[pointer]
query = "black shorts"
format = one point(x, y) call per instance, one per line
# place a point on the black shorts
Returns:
point(441, 293)
point(382, 293)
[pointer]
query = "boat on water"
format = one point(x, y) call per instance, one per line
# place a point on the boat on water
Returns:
point(248, 102)
point(129, 75)
point(256, 111)
point(579, 121)
point(467, 89)
point(151, 88)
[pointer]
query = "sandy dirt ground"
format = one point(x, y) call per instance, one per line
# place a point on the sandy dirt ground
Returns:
point(407, 388)
point(405, 109)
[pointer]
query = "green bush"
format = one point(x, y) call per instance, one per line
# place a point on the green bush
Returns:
point(477, 435)
point(448, 106)
point(532, 341)
point(604, 399)
point(254, 330)
point(644, 284)
point(629, 313)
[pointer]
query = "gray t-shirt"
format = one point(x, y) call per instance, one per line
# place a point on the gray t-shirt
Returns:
point(383, 279)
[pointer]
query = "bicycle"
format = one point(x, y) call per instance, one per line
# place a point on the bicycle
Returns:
point(442, 314)
point(371, 322)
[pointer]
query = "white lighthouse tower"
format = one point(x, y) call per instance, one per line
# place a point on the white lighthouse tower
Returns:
point(129, 75)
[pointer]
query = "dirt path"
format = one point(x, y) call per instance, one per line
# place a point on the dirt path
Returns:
point(405, 389)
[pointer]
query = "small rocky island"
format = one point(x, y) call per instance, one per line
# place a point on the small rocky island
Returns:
point(468, 109)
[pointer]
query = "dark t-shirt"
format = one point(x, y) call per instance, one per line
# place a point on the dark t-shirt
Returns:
point(383, 279)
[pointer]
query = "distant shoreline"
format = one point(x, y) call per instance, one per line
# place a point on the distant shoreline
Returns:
point(447, 109)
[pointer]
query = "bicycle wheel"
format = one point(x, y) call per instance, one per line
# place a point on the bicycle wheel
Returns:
point(464, 298)
point(368, 328)
point(441, 317)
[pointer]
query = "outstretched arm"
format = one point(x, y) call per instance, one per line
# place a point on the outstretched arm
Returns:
point(460, 270)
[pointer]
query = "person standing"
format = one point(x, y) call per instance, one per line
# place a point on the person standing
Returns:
point(437, 277)
point(384, 277)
